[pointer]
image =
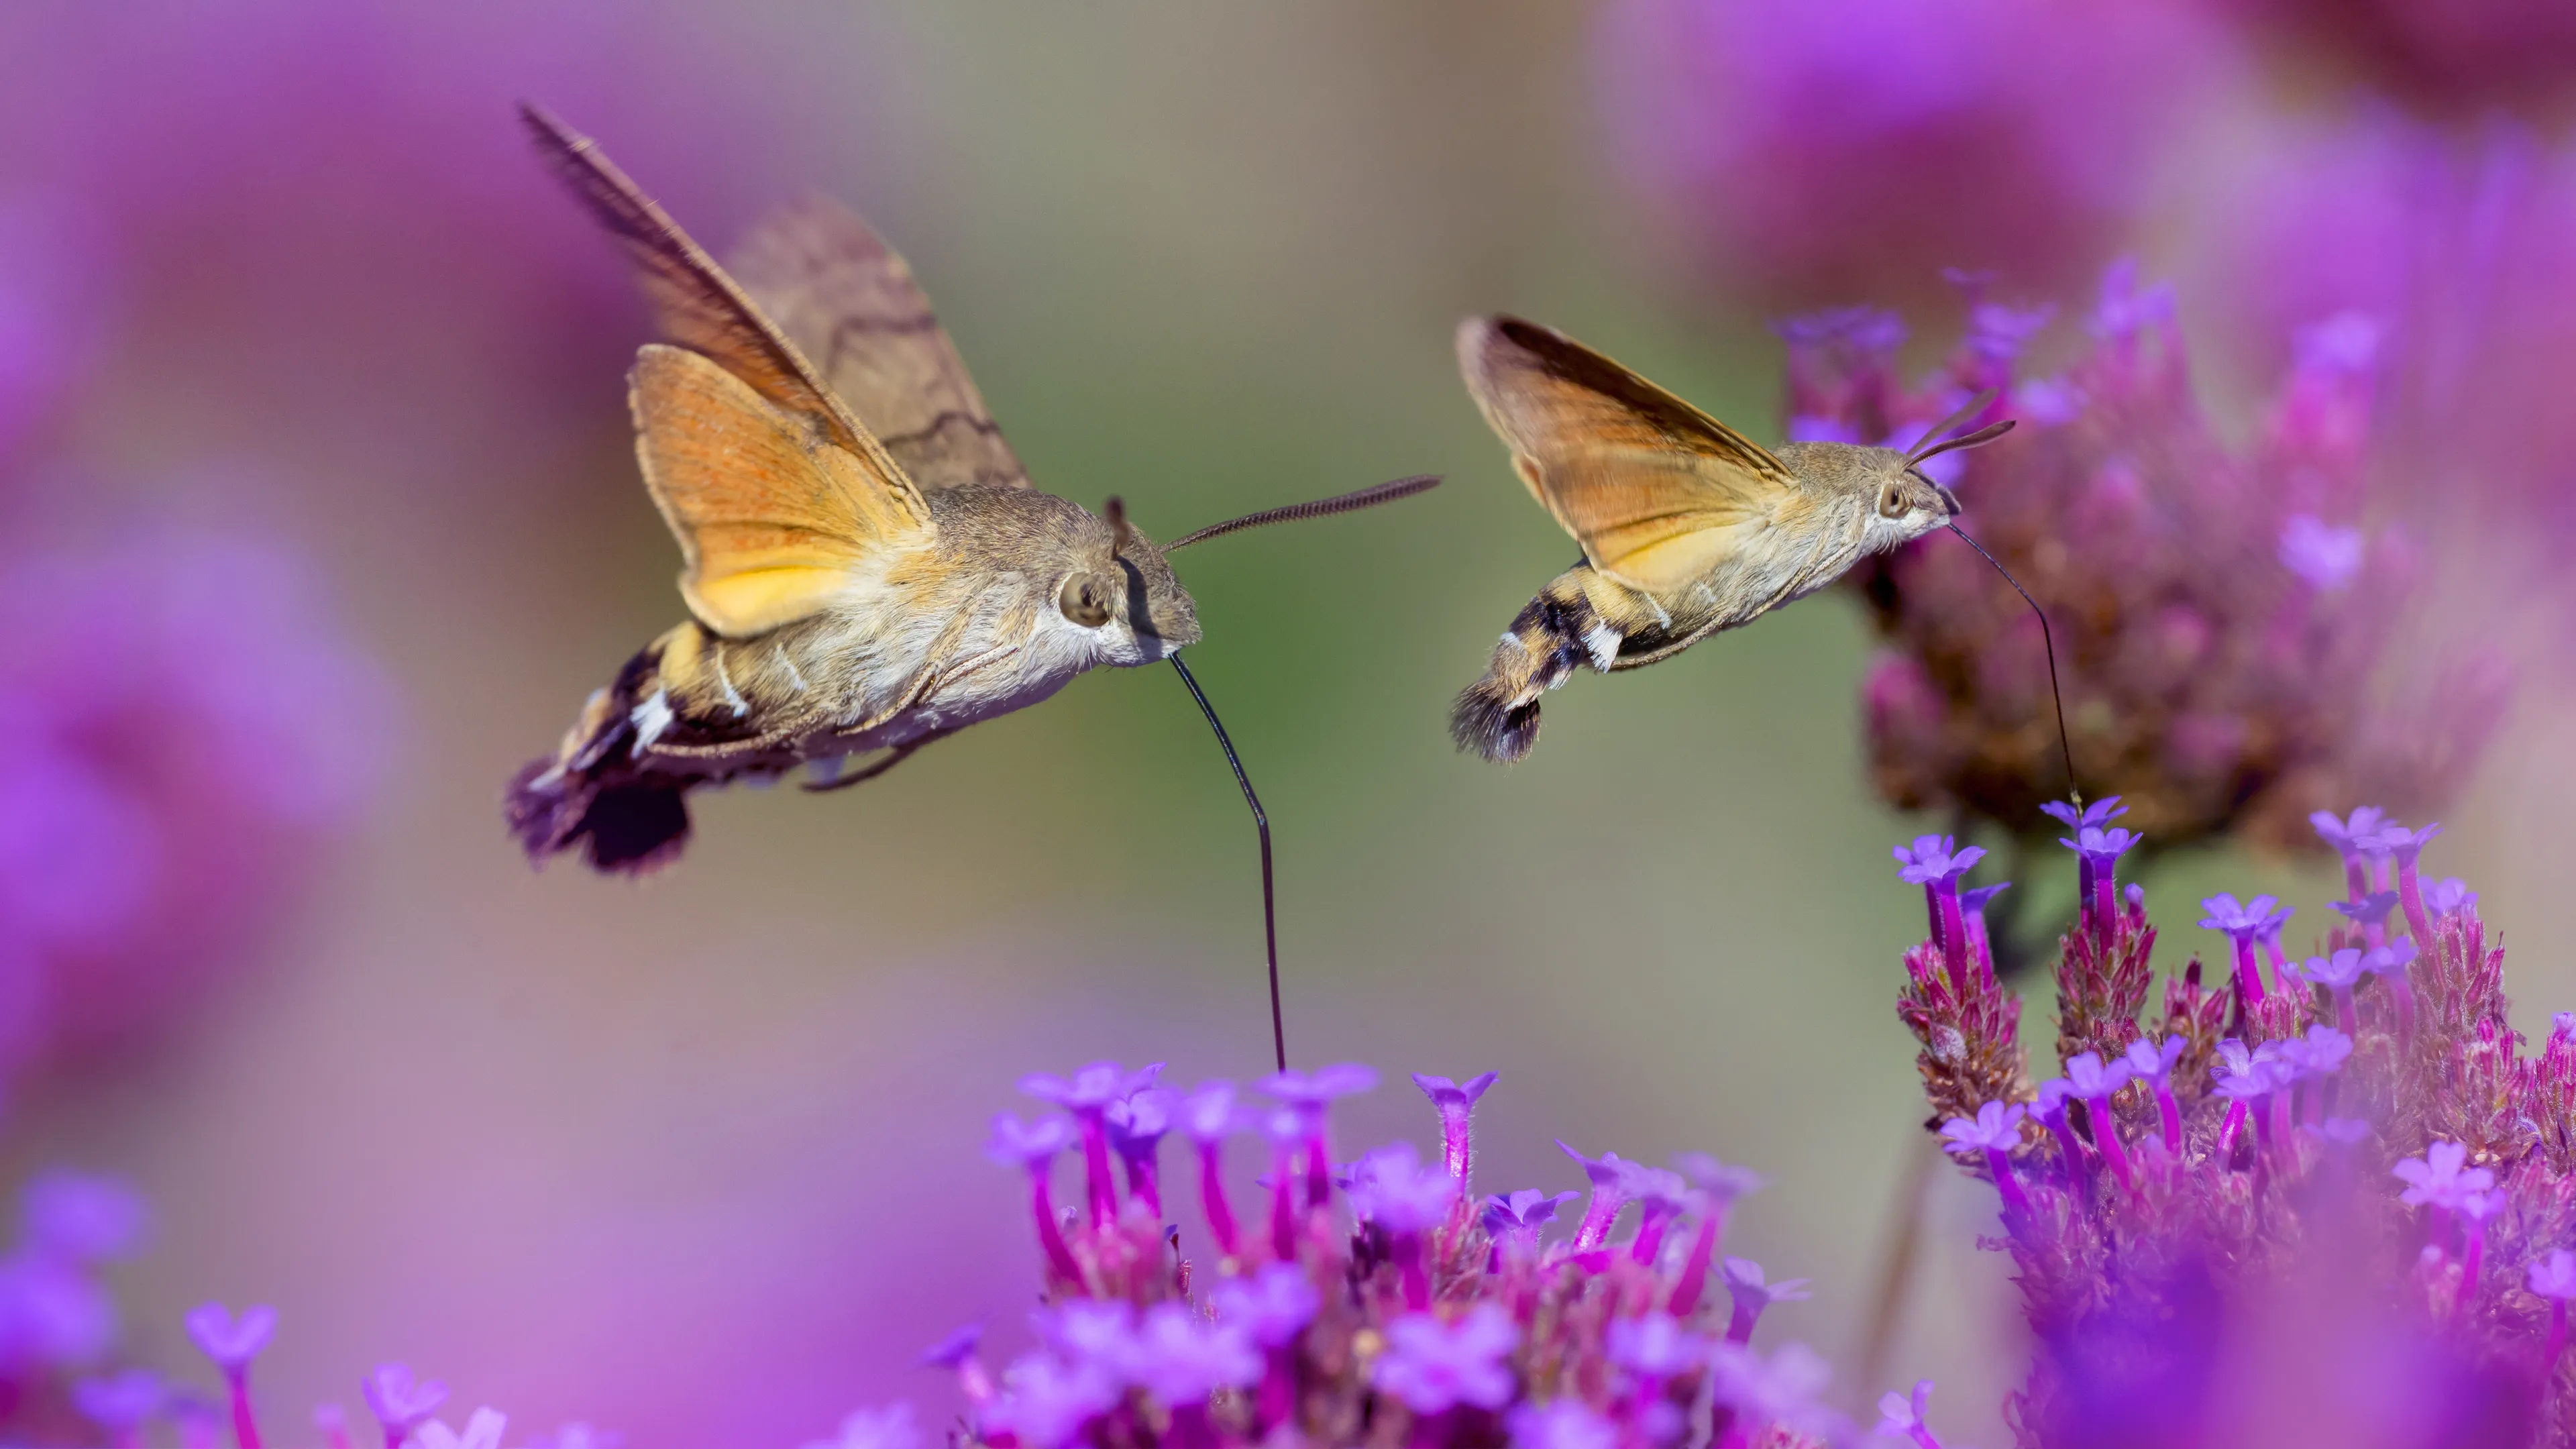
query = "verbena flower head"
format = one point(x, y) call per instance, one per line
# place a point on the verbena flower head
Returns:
point(1394, 1301)
point(2210, 682)
point(2363, 1172)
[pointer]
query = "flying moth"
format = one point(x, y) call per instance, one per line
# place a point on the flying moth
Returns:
point(1687, 526)
point(865, 565)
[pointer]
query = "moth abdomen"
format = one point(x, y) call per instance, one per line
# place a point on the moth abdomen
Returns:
point(590, 796)
point(1555, 633)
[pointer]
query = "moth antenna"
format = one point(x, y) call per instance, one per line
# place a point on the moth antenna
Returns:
point(1941, 429)
point(1120, 535)
point(1260, 823)
point(1977, 439)
point(1319, 508)
point(2048, 641)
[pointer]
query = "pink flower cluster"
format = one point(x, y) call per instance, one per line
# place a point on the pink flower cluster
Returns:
point(2221, 613)
point(1374, 1302)
point(2328, 1193)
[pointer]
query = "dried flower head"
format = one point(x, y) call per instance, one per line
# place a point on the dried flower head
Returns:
point(2221, 614)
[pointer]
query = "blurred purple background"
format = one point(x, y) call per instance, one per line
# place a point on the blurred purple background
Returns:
point(318, 515)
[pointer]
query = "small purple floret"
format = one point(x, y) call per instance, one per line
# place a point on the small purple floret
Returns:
point(1434, 1366)
point(2441, 1177)
point(231, 1342)
point(400, 1402)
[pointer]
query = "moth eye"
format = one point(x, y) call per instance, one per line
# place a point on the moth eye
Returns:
point(1891, 500)
point(1084, 601)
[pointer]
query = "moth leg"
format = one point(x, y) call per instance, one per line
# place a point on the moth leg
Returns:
point(902, 752)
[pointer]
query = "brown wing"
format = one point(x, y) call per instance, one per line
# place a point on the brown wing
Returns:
point(849, 302)
point(1658, 493)
point(773, 520)
point(700, 308)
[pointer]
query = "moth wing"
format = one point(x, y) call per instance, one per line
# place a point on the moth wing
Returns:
point(700, 308)
point(849, 302)
point(1658, 493)
point(772, 517)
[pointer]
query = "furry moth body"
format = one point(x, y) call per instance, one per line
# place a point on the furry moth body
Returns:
point(866, 567)
point(1687, 526)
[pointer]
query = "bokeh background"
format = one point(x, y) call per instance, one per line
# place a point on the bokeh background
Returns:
point(318, 515)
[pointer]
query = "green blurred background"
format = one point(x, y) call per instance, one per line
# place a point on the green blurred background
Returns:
point(698, 1159)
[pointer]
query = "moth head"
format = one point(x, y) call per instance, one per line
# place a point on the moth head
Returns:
point(1907, 503)
point(1121, 589)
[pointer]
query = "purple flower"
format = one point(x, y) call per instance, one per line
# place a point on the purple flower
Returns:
point(1094, 1331)
point(2440, 1178)
point(1045, 1402)
point(1719, 112)
point(82, 1219)
point(891, 1427)
point(2325, 557)
point(1392, 1188)
point(1974, 901)
point(1093, 1088)
point(2102, 848)
point(400, 1402)
point(1746, 1286)
point(1448, 1095)
point(2321, 1053)
point(1524, 1211)
point(2554, 1276)
point(2154, 1064)
point(2245, 923)
point(2346, 835)
point(2370, 910)
point(1615, 1180)
point(2089, 1078)
point(1181, 1360)
point(2391, 959)
point(1028, 1144)
point(1209, 1112)
point(1456, 1105)
point(2449, 896)
point(2404, 844)
point(1656, 1345)
point(1138, 1122)
point(483, 1429)
point(1995, 1128)
point(2344, 1131)
point(1273, 1305)
point(1316, 1089)
point(231, 1342)
point(1435, 1366)
point(1782, 1389)
point(1563, 1422)
point(1722, 1182)
point(120, 1403)
point(1933, 859)
point(2338, 972)
point(1903, 1414)
point(955, 1349)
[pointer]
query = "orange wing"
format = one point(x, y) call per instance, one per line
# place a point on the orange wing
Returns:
point(1658, 493)
point(849, 302)
point(775, 491)
point(773, 520)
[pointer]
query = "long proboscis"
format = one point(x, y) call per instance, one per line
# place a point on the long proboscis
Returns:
point(1319, 508)
point(2048, 641)
point(1260, 824)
